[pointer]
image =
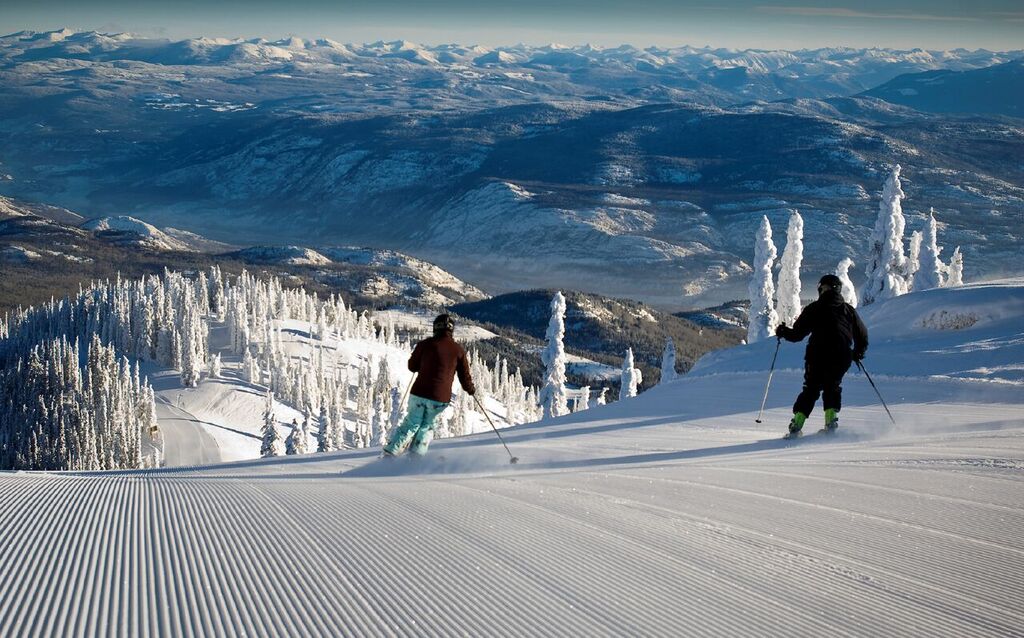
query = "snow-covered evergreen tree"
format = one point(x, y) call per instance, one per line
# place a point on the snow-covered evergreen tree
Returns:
point(763, 318)
point(296, 443)
point(552, 395)
point(251, 367)
point(956, 269)
point(397, 409)
point(668, 362)
point(930, 273)
point(788, 308)
point(379, 421)
point(843, 272)
point(913, 258)
point(886, 272)
point(271, 442)
point(215, 366)
point(326, 436)
point(601, 397)
point(631, 377)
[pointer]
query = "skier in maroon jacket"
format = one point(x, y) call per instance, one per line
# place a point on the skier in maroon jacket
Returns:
point(437, 361)
point(838, 338)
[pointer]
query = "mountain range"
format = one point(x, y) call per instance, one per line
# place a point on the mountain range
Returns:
point(628, 172)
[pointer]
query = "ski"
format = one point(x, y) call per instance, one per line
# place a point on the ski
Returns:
point(790, 436)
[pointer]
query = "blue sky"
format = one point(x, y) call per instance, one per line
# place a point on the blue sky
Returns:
point(992, 24)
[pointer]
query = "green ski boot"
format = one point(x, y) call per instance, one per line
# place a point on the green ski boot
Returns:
point(831, 420)
point(796, 425)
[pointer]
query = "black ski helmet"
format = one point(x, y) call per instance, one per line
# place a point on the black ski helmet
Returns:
point(830, 282)
point(444, 323)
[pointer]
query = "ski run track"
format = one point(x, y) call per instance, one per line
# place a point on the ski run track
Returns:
point(672, 514)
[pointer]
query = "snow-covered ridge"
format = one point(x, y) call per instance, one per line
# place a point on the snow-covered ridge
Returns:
point(291, 255)
point(135, 231)
point(379, 274)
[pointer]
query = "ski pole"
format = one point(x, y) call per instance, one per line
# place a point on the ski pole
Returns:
point(512, 459)
point(768, 385)
point(408, 388)
point(865, 371)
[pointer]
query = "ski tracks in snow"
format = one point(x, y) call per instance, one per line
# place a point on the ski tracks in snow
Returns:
point(722, 535)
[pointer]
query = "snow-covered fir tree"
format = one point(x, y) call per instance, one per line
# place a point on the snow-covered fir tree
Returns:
point(271, 444)
point(956, 269)
point(397, 409)
point(843, 272)
point(553, 397)
point(216, 366)
point(296, 443)
point(886, 271)
point(326, 435)
point(251, 367)
point(631, 378)
point(788, 308)
point(763, 318)
point(602, 397)
point(913, 258)
point(668, 362)
point(930, 273)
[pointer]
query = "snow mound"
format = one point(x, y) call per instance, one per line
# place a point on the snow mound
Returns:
point(972, 332)
point(131, 231)
point(289, 255)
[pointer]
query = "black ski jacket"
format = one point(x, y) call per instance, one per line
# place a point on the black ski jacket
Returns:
point(834, 327)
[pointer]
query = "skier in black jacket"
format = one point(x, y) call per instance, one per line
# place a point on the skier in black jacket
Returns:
point(835, 328)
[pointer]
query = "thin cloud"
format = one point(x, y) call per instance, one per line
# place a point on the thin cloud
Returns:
point(839, 12)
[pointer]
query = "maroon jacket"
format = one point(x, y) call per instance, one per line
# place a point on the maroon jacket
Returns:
point(437, 360)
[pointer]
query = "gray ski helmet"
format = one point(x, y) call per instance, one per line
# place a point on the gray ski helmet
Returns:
point(830, 282)
point(444, 323)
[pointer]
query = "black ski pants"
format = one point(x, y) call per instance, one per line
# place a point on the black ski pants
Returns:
point(822, 376)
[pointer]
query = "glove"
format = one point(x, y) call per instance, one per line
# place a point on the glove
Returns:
point(858, 357)
point(780, 330)
point(471, 390)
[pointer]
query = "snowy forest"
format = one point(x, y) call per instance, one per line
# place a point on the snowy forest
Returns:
point(76, 397)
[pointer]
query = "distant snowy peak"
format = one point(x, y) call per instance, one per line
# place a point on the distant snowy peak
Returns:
point(495, 58)
point(67, 43)
point(130, 231)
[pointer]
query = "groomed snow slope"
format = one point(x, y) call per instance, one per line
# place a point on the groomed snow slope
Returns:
point(670, 514)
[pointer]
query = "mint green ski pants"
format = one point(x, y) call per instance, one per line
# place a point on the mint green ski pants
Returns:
point(417, 426)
